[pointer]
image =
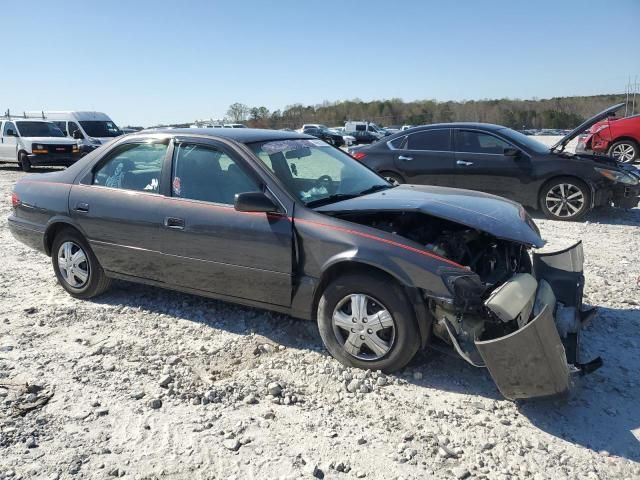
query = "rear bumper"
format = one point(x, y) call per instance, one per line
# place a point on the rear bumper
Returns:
point(54, 159)
point(539, 359)
point(27, 233)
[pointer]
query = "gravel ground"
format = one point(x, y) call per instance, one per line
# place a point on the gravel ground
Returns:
point(147, 383)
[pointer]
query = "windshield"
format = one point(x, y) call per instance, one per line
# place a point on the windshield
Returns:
point(525, 140)
point(39, 129)
point(316, 173)
point(100, 128)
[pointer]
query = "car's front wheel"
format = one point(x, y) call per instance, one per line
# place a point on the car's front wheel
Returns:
point(625, 151)
point(565, 198)
point(366, 321)
point(76, 267)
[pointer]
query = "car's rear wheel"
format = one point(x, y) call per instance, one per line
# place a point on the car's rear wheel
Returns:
point(565, 198)
point(366, 321)
point(76, 267)
point(625, 151)
point(24, 161)
point(392, 178)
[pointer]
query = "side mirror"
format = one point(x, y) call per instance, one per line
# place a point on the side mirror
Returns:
point(511, 152)
point(11, 133)
point(77, 134)
point(254, 202)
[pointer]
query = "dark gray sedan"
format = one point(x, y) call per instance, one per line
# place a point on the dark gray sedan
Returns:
point(285, 222)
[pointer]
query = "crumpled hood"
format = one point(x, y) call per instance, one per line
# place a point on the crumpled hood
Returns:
point(495, 215)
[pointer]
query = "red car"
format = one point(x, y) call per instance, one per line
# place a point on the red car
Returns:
point(617, 137)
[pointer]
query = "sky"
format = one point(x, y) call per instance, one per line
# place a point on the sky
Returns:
point(150, 62)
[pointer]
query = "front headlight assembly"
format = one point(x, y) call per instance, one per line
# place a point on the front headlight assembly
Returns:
point(616, 176)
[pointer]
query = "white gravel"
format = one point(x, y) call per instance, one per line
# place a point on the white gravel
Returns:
point(147, 383)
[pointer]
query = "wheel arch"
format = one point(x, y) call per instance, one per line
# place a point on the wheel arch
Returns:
point(351, 266)
point(589, 184)
point(624, 137)
point(53, 228)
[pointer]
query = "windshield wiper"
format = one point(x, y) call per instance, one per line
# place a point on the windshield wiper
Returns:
point(336, 197)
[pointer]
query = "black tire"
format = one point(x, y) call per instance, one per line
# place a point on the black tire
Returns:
point(556, 209)
point(630, 148)
point(24, 161)
point(393, 178)
point(388, 295)
point(96, 283)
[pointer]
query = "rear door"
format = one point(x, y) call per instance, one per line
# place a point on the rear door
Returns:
point(207, 244)
point(426, 158)
point(481, 164)
point(118, 206)
point(8, 143)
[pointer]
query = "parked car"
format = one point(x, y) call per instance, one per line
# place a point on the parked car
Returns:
point(364, 132)
point(348, 139)
point(498, 160)
point(617, 137)
point(327, 135)
point(311, 125)
point(282, 221)
point(233, 125)
point(90, 129)
point(31, 141)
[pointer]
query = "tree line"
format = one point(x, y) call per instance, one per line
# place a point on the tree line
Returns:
point(558, 112)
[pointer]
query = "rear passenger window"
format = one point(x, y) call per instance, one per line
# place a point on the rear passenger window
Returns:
point(477, 142)
point(437, 140)
point(135, 166)
point(208, 174)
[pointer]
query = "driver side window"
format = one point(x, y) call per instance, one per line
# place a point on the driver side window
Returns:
point(208, 174)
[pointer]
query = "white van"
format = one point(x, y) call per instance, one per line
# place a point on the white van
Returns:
point(93, 128)
point(33, 141)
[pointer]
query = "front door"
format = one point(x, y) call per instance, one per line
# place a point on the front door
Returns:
point(118, 206)
point(482, 165)
point(8, 143)
point(207, 244)
point(426, 158)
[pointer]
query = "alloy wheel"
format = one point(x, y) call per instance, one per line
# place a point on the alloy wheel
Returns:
point(624, 152)
point(565, 200)
point(73, 264)
point(363, 326)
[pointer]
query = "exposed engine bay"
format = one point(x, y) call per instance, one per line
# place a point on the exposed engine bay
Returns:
point(494, 260)
point(517, 313)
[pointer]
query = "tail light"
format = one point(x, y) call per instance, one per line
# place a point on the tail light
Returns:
point(358, 155)
point(15, 200)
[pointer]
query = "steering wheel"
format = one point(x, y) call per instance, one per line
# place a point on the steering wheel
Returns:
point(327, 182)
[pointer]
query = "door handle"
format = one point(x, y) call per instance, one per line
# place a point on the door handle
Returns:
point(406, 159)
point(174, 223)
point(82, 207)
point(463, 163)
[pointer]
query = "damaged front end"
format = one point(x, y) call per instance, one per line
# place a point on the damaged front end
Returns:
point(526, 331)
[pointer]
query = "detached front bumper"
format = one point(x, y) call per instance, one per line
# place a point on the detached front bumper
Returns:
point(539, 358)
